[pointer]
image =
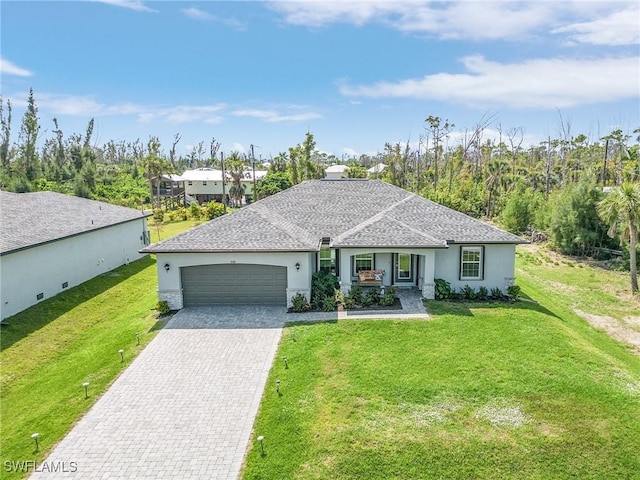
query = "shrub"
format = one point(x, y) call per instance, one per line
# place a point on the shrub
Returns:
point(195, 211)
point(496, 293)
point(213, 210)
point(158, 215)
point(171, 216)
point(299, 303)
point(468, 293)
point(356, 294)
point(366, 301)
point(323, 285)
point(482, 294)
point(162, 307)
point(514, 291)
point(349, 303)
point(374, 295)
point(389, 297)
point(182, 213)
point(442, 289)
point(329, 304)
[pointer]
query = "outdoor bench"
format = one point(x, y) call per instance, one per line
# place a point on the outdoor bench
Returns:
point(370, 277)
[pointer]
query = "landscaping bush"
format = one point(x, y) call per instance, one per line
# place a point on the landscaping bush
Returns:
point(182, 213)
point(366, 301)
point(442, 289)
point(389, 297)
point(162, 307)
point(213, 210)
point(323, 285)
point(468, 293)
point(158, 215)
point(329, 304)
point(356, 294)
point(374, 295)
point(514, 291)
point(195, 211)
point(482, 294)
point(496, 293)
point(299, 303)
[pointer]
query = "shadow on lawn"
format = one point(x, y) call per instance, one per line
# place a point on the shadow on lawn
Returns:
point(463, 308)
point(37, 316)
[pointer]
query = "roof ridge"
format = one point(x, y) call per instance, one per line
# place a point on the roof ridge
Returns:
point(415, 230)
point(278, 221)
point(369, 221)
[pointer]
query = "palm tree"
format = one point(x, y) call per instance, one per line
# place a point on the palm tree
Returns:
point(621, 210)
point(235, 169)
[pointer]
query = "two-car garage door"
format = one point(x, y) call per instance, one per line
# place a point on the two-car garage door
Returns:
point(234, 284)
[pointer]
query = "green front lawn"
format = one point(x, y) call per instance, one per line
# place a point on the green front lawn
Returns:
point(49, 350)
point(515, 391)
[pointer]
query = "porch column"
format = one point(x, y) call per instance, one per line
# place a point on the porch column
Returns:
point(426, 281)
point(345, 270)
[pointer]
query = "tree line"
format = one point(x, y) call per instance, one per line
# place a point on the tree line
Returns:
point(551, 189)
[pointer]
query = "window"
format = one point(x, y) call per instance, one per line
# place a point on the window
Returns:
point(204, 183)
point(327, 260)
point(471, 263)
point(190, 183)
point(362, 262)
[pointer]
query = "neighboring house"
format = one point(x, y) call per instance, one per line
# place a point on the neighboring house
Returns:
point(336, 172)
point(267, 252)
point(205, 184)
point(50, 242)
point(376, 169)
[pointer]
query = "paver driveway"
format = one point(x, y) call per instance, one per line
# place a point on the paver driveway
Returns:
point(185, 407)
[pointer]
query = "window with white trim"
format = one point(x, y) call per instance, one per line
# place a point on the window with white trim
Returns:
point(363, 261)
point(327, 260)
point(471, 263)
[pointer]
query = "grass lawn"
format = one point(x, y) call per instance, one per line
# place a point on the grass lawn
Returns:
point(512, 391)
point(52, 348)
point(169, 229)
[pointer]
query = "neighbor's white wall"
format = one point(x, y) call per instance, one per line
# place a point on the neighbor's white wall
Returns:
point(499, 267)
point(43, 269)
point(214, 187)
point(170, 287)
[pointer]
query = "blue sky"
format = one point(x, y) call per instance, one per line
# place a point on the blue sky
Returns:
point(356, 74)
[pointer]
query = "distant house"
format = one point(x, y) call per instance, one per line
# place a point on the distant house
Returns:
point(50, 242)
point(376, 169)
point(357, 229)
point(205, 184)
point(336, 172)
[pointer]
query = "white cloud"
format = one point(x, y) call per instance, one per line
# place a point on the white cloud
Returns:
point(10, 68)
point(585, 21)
point(137, 5)
point(87, 106)
point(274, 116)
point(537, 83)
point(490, 19)
point(198, 14)
point(619, 28)
point(237, 147)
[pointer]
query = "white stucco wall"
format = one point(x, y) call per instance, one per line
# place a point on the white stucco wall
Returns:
point(499, 267)
point(169, 282)
point(214, 187)
point(43, 269)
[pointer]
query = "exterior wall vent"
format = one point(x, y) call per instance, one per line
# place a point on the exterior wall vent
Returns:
point(40, 296)
point(65, 284)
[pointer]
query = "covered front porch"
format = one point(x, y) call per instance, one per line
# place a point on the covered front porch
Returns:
point(403, 268)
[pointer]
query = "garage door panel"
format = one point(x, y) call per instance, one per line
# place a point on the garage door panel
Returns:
point(234, 284)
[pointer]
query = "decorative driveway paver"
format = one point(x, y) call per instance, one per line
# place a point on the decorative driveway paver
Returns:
point(185, 407)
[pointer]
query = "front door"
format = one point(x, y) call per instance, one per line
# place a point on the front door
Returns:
point(403, 268)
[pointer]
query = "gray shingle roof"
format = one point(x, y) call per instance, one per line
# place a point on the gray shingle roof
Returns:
point(353, 213)
point(30, 219)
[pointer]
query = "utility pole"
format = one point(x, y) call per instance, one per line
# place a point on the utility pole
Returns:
point(224, 189)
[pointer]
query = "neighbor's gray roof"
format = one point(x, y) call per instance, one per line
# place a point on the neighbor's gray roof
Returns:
point(31, 219)
point(352, 213)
